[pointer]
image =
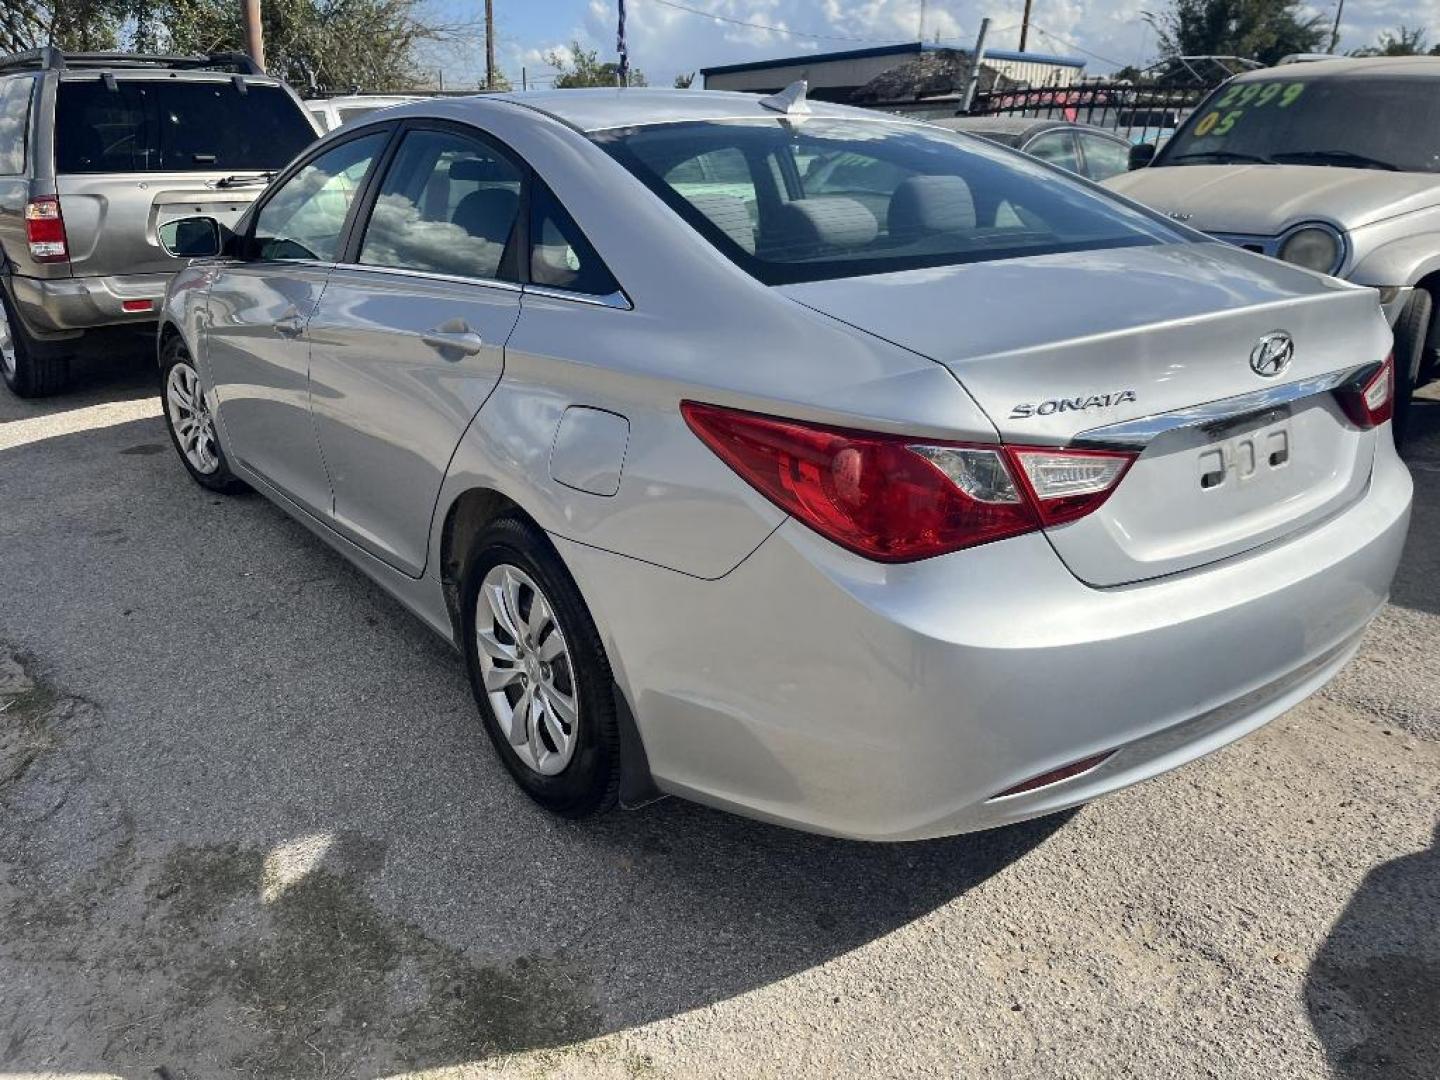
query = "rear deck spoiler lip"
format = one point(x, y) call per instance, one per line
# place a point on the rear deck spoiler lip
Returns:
point(1137, 434)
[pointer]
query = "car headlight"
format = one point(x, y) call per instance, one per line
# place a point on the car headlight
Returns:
point(1315, 247)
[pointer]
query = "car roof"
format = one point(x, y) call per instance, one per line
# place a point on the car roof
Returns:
point(1350, 68)
point(604, 107)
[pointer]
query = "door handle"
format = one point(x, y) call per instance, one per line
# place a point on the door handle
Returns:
point(448, 339)
point(290, 324)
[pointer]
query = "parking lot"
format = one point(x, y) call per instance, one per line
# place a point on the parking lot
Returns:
point(251, 827)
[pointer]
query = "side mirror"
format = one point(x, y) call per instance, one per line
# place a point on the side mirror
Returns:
point(191, 237)
point(1142, 155)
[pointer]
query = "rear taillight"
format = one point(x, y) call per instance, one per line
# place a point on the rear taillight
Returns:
point(45, 230)
point(898, 499)
point(1373, 402)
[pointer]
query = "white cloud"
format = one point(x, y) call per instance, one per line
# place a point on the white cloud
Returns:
point(665, 40)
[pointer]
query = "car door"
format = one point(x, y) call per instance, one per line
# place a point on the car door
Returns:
point(1104, 156)
point(258, 350)
point(408, 340)
point(1056, 147)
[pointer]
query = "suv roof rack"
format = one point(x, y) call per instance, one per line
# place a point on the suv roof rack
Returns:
point(49, 58)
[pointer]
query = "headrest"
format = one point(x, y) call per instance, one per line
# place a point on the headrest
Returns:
point(482, 169)
point(729, 214)
point(488, 213)
point(931, 204)
point(827, 221)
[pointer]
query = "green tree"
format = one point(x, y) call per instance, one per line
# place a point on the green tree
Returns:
point(582, 67)
point(324, 44)
point(685, 81)
point(1263, 30)
point(70, 24)
point(1405, 41)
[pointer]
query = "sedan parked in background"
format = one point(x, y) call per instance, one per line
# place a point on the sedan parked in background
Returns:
point(726, 486)
point(1333, 165)
point(1081, 148)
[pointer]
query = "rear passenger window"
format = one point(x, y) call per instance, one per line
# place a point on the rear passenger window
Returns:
point(560, 256)
point(15, 97)
point(1058, 148)
point(448, 205)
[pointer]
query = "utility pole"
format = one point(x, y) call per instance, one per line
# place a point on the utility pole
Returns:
point(1025, 26)
point(976, 59)
point(920, 30)
point(1335, 32)
point(489, 44)
point(254, 32)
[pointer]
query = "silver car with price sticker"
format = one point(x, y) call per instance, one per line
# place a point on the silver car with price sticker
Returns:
point(920, 495)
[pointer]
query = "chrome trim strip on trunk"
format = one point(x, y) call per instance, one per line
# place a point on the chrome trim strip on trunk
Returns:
point(1139, 433)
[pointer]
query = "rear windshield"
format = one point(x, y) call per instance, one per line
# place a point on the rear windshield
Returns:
point(828, 198)
point(1349, 122)
point(175, 126)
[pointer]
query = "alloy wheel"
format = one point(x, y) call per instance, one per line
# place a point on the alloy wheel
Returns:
point(528, 673)
point(191, 419)
point(7, 343)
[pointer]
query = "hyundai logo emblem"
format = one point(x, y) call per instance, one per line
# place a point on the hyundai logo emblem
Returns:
point(1272, 354)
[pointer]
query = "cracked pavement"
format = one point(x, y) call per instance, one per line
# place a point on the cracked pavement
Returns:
point(250, 827)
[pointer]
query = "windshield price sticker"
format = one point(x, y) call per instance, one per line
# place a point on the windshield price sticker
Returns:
point(1230, 109)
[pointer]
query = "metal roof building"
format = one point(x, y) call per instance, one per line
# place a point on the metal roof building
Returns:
point(835, 76)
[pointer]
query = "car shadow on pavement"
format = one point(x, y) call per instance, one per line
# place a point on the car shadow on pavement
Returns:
point(1417, 583)
point(254, 827)
point(1373, 989)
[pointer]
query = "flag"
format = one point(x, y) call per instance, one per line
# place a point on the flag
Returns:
point(624, 68)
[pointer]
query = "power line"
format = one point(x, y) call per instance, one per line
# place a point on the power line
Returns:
point(1078, 48)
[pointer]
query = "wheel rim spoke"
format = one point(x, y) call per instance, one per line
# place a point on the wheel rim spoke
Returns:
point(553, 647)
point(562, 704)
point(497, 678)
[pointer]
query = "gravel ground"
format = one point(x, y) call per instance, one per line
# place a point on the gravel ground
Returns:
point(249, 827)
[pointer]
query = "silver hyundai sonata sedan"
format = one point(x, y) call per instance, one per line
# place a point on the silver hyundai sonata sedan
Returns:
point(830, 468)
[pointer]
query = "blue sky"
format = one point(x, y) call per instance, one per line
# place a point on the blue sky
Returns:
point(665, 40)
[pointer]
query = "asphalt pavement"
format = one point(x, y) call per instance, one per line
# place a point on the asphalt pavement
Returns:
point(250, 827)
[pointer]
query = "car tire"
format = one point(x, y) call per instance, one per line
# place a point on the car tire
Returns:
point(28, 367)
point(192, 427)
point(1412, 329)
point(573, 769)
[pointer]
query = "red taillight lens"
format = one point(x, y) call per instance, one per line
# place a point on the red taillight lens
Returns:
point(1372, 404)
point(887, 497)
point(45, 229)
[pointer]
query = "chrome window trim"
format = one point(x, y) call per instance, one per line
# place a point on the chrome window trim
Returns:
point(617, 299)
point(1139, 433)
point(430, 275)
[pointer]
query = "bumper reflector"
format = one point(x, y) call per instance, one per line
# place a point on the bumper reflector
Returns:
point(1054, 776)
point(137, 305)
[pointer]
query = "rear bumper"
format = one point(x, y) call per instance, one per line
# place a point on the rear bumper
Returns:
point(59, 307)
point(816, 689)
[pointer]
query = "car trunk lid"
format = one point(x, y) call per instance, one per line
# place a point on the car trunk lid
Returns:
point(1055, 348)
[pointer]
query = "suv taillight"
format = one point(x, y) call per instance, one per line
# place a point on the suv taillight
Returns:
point(898, 499)
point(45, 229)
point(1373, 403)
